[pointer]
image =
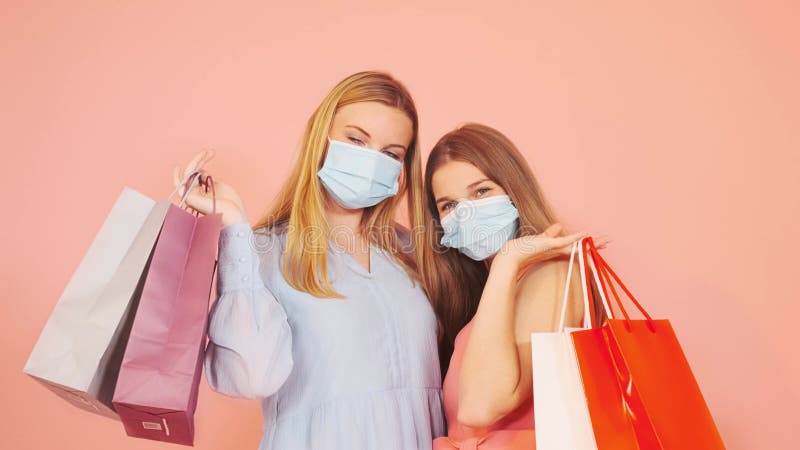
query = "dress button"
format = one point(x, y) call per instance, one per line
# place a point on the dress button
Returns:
point(244, 278)
point(242, 259)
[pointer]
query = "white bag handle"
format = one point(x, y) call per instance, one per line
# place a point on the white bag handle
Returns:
point(194, 176)
point(587, 318)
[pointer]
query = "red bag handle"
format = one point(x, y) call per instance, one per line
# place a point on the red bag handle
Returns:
point(605, 270)
point(585, 267)
point(591, 267)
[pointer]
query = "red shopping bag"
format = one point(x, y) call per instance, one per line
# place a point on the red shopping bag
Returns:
point(639, 386)
point(156, 391)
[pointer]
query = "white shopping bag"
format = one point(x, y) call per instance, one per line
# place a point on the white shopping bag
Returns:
point(560, 410)
point(79, 351)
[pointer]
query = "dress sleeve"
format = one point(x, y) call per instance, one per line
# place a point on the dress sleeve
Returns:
point(249, 353)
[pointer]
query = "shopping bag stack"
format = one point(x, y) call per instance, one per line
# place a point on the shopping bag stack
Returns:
point(126, 338)
point(156, 393)
point(622, 384)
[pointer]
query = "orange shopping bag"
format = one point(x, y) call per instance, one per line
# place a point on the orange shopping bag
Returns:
point(639, 387)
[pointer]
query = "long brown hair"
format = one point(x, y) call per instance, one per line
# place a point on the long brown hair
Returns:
point(299, 207)
point(454, 283)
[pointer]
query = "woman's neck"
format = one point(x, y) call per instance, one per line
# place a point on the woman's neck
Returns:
point(344, 224)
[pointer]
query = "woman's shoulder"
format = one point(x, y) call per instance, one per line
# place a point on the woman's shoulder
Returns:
point(271, 233)
point(268, 243)
point(540, 282)
point(546, 272)
point(540, 295)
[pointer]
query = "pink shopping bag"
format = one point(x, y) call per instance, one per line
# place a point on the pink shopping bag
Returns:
point(156, 391)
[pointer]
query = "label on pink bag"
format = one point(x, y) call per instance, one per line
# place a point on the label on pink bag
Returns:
point(156, 426)
point(151, 425)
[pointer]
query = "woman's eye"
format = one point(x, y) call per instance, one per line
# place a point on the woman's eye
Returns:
point(448, 206)
point(392, 155)
point(356, 141)
point(482, 191)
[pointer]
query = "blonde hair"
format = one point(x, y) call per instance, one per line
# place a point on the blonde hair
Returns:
point(300, 204)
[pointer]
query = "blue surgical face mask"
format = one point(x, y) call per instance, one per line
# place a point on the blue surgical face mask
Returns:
point(357, 177)
point(479, 228)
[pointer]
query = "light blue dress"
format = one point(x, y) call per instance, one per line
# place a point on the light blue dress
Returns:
point(360, 373)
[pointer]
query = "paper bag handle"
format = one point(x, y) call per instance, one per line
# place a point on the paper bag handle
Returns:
point(188, 182)
point(588, 313)
point(605, 280)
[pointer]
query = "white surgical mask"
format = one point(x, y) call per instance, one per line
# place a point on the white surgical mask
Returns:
point(479, 228)
point(357, 177)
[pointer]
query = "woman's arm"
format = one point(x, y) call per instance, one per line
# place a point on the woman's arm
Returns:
point(490, 366)
point(496, 368)
point(249, 352)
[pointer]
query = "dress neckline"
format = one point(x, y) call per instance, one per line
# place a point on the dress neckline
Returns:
point(351, 262)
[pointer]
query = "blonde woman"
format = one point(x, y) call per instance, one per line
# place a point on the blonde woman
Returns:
point(320, 315)
point(497, 247)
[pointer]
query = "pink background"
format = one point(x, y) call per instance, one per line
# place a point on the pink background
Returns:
point(673, 128)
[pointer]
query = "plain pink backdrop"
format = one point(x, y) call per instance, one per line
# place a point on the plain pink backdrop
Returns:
point(671, 127)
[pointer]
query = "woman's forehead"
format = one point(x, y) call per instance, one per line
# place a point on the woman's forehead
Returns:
point(379, 121)
point(453, 178)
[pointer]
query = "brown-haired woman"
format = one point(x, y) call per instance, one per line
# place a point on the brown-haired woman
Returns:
point(496, 245)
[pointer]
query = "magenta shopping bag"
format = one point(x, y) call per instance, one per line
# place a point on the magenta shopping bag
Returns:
point(156, 391)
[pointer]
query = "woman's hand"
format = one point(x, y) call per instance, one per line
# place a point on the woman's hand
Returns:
point(229, 204)
point(526, 250)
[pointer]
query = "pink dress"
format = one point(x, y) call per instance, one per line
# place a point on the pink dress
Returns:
point(512, 432)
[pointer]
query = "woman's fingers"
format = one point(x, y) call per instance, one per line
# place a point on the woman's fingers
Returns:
point(197, 162)
point(553, 230)
point(199, 202)
point(190, 167)
point(548, 244)
point(569, 239)
point(601, 241)
point(207, 156)
point(210, 153)
point(562, 245)
point(196, 200)
point(195, 165)
point(202, 177)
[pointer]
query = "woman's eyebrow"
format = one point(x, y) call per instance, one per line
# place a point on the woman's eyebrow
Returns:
point(370, 137)
point(396, 145)
point(472, 185)
point(442, 199)
point(359, 129)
